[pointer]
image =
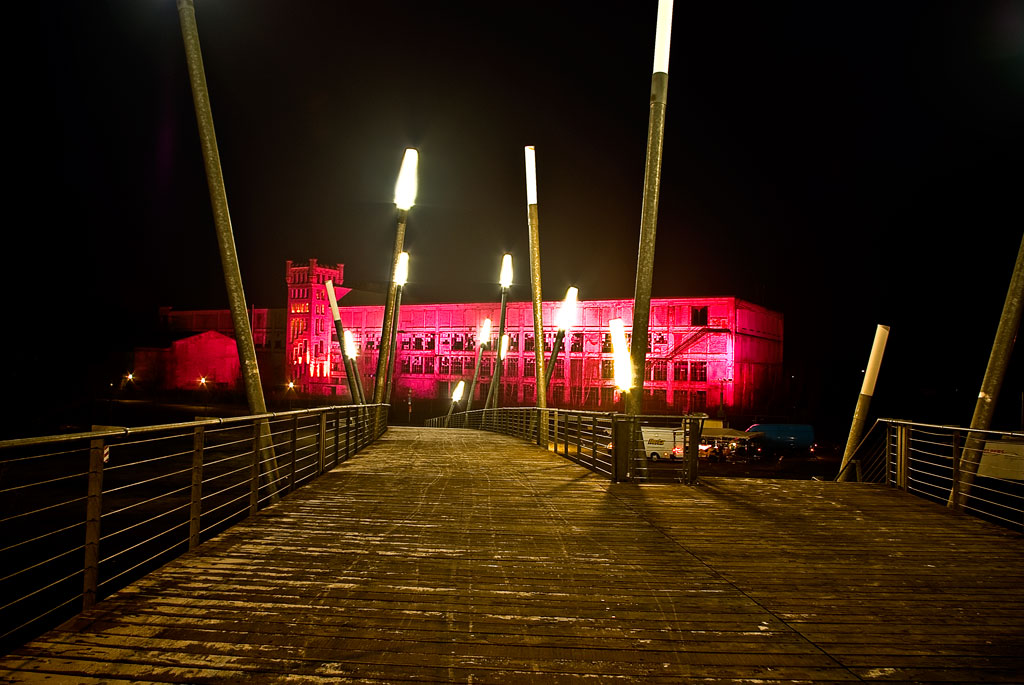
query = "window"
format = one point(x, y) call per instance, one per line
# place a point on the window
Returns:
point(512, 366)
point(559, 370)
point(528, 341)
point(406, 342)
point(607, 369)
point(529, 367)
point(417, 342)
point(417, 365)
point(429, 340)
point(511, 392)
point(443, 367)
point(485, 367)
point(699, 371)
point(679, 371)
point(513, 342)
point(406, 365)
point(607, 397)
point(699, 401)
point(575, 369)
point(698, 316)
point(456, 366)
point(457, 342)
point(468, 363)
point(577, 343)
point(659, 371)
point(606, 343)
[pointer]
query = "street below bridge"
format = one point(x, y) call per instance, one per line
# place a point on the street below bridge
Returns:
point(452, 555)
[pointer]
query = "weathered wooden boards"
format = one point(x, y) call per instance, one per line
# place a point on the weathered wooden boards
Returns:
point(458, 556)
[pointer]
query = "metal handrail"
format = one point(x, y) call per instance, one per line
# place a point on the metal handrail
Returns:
point(155, 491)
point(928, 460)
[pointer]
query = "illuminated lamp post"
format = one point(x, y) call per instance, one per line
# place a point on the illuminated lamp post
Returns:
point(483, 338)
point(533, 219)
point(401, 276)
point(352, 355)
point(505, 280)
point(649, 214)
point(350, 371)
point(405, 197)
point(565, 320)
point(456, 396)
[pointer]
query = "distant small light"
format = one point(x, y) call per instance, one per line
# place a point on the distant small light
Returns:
point(567, 314)
point(405, 189)
point(202, 380)
point(459, 389)
point(291, 385)
point(131, 376)
point(350, 345)
point(506, 271)
point(402, 270)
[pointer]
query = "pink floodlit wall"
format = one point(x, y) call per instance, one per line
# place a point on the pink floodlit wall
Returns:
point(704, 352)
point(209, 355)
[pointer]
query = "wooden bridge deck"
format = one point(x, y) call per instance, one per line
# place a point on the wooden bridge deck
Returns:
point(458, 556)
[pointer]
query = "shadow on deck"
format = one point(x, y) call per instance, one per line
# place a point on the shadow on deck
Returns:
point(461, 556)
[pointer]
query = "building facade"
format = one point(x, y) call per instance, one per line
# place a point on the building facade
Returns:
point(704, 353)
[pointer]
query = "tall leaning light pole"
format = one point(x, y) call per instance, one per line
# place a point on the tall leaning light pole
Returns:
point(533, 218)
point(483, 339)
point(565, 320)
point(405, 197)
point(401, 276)
point(339, 328)
point(649, 215)
point(505, 280)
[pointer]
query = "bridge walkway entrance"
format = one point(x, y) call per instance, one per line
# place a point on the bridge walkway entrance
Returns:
point(461, 556)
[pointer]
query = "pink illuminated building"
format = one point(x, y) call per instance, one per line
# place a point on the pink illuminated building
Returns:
point(705, 352)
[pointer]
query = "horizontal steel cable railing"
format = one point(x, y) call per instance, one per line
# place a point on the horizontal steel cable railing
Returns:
point(607, 443)
point(974, 471)
point(82, 515)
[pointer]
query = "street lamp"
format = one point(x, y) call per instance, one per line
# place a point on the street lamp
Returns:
point(401, 276)
point(565, 320)
point(405, 197)
point(351, 374)
point(483, 338)
point(351, 353)
point(649, 212)
point(456, 396)
point(505, 280)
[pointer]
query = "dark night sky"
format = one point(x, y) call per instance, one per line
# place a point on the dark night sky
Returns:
point(845, 163)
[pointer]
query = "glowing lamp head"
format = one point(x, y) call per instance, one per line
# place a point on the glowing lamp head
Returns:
point(130, 376)
point(531, 175)
point(506, 271)
point(202, 380)
point(620, 355)
point(350, 345)
point(402, 270)
point(504, 347)
point(485, 333)
point(405, 189)
point(567, 314)
point(459, 389)
point(291, 385)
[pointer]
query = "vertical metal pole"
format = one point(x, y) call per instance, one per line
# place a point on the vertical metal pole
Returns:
point(348, 434)
point(196, 508)
point(954, 490)
point(337, 436)
point(93, 513)
point(254, 475)
point(322, 448)
point(295, 450)
point(222, 218)
point(384, 357)
point(995, 371)
point(648, 230)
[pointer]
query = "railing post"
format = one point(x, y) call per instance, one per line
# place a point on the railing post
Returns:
point(954, 491)
point(579, 435)
point(622, 436)
point(348, 433)
point(337, 429)
point(254, 485)
point(322, 449)
point(93, 512)
point(888, 452)
point(902, 455)
point(295, 450)
point(593, 441)
point(196, 509)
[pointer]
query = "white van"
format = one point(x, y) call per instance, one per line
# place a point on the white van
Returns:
point(663, 443)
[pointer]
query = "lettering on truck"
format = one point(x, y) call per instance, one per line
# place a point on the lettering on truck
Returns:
point(655, 441)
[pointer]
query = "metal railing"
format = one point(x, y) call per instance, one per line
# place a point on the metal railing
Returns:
point(977, 472)
point(607, 443)
point(83, 515)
